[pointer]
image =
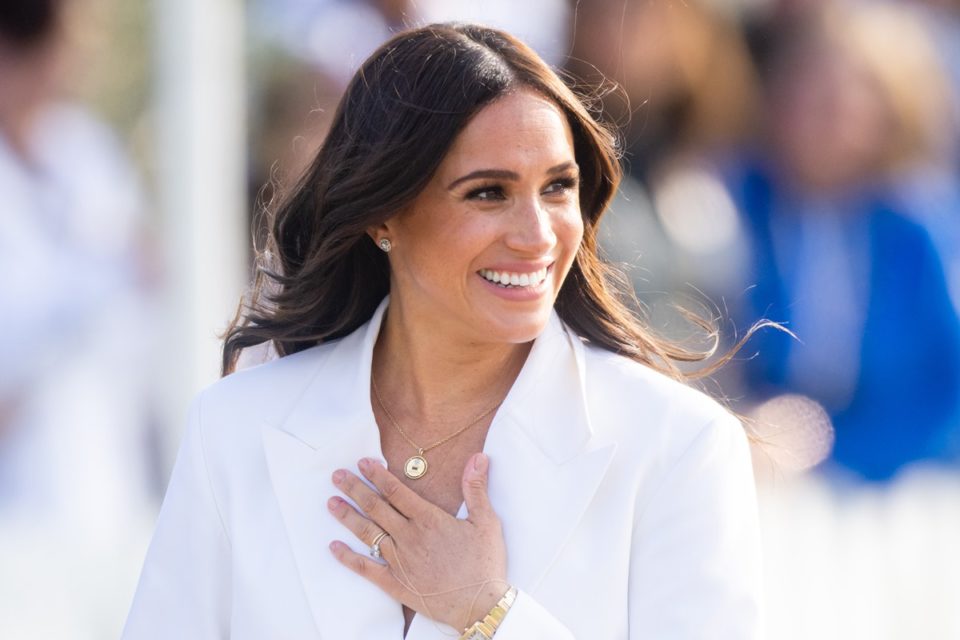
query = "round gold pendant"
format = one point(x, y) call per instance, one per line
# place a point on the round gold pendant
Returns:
point(415, 467)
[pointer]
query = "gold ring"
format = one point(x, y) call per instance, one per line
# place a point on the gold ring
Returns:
point(375, 547)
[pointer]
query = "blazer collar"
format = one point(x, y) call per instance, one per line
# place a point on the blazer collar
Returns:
point(545, 468)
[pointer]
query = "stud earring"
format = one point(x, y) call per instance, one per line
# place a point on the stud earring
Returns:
point(385, 245)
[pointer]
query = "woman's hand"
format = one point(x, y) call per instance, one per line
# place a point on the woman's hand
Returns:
point(451, 570)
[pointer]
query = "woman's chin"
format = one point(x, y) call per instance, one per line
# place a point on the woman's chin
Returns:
point(515, 327)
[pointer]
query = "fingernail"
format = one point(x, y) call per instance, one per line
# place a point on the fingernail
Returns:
point(480, 462)
point(335, 546)
point(334, 503)
point(339, 475)
point(365, 463)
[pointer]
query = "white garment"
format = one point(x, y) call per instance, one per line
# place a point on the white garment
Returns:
point(627, 503)
point(74, 329)
point(75, 496)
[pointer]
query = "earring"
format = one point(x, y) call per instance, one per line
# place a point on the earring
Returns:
point(385, 245)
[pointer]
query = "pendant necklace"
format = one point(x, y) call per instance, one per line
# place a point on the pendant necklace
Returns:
point(416, 465)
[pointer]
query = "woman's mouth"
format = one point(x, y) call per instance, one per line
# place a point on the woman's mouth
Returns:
point(515, 280)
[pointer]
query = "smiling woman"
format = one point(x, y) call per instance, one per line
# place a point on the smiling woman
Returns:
point(503, 448)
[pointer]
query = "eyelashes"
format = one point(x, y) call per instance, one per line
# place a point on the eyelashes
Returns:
point(486, 193)
point(566, 183)
point(494, 191)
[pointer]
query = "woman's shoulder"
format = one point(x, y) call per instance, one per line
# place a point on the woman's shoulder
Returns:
point(260, 394)
point(663, 428)
point(630, 400)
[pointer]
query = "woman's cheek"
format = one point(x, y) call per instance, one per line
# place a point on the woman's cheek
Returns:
point(572, 227)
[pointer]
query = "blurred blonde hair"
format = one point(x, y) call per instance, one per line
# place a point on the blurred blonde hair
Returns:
point(893, 46)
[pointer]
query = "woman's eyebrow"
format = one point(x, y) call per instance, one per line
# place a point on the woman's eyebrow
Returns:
point(504, 174)
point(563, 167)
point(499, 174)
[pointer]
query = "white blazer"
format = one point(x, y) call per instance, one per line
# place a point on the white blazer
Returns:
point(627, 503)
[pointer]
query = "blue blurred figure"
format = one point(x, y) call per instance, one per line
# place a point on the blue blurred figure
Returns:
point(841, 252)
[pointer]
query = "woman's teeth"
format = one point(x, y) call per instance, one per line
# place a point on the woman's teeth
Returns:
point(507, 279)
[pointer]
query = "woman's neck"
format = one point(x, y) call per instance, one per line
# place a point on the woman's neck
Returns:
point(433, 381)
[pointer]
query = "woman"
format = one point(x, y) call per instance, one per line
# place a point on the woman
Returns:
point(543, 478)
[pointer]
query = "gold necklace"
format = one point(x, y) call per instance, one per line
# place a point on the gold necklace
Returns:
point(416, 465)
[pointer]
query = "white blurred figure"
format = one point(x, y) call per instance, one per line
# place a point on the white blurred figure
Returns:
point(75, 494)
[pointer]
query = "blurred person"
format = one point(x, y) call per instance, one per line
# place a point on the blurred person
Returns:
point(74, 464)
point(437, 300)
point(857, 112)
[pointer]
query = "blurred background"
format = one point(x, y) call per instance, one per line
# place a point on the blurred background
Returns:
point(794, 160)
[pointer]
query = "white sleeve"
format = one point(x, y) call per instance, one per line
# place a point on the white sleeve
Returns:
point(184, 589)
point(695, 566)
point(528, 620)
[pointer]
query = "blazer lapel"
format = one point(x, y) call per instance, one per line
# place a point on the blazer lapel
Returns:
point(545, 464)
point(331, 427)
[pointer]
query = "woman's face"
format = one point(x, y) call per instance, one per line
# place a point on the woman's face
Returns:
point(481, 253)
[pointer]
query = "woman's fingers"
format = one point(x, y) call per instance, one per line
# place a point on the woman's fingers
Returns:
point(366, 530)
point(380, 574)
point(403, 498)
point(475, 489)
point(376, 572)
point(369, 501)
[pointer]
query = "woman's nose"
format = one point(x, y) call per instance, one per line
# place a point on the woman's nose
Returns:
point(531, 230)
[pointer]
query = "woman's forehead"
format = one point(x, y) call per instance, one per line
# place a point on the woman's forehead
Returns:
point(522, 127)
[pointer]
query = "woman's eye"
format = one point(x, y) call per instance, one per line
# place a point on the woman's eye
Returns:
point(486, 194)
point(561, 186)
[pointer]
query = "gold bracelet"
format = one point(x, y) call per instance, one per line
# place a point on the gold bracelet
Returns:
point(485, 628)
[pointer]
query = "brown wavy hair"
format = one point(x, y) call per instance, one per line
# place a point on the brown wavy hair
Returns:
point(321, 276)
